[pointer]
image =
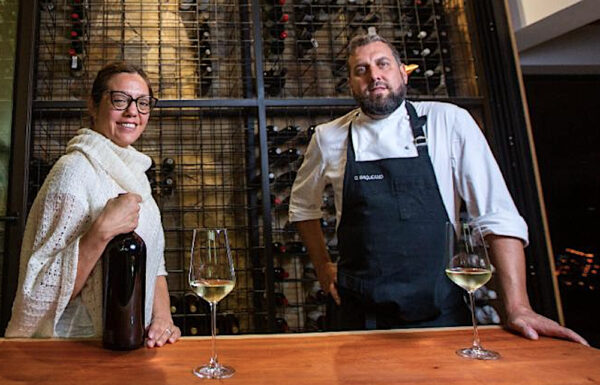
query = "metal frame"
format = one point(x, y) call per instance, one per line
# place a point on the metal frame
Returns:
point(19, 158)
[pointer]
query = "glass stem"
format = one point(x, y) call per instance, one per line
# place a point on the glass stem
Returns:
point(213, 329)
point(476, 344)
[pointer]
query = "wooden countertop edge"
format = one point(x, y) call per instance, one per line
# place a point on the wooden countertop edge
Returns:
point(279, 335)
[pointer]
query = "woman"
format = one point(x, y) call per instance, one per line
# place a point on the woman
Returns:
point(97, 190)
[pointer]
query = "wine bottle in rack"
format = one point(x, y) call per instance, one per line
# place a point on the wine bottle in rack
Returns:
point(328, 223)
point(315, 320)
point(75, 65)
point(203, 31)
point(281, 325)
point(192, 303)
point(316, 295)
point(175, 304)
point(257, 180)
point(47, 5)
point(197, 326)
point(280, 299)
point(273, 10)
point(278, 248)
point(228, 324)
point(309, 273)
point(295, 247)
point(274, 48)
point(306, 41)
point(187, 5)
point(274, 81)
point(284, 134)
point(280, 274)
point(167, 185)
point(305, 136)
point(167, 166)
point(206, 76)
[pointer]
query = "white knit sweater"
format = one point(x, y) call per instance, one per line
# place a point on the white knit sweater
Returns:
point(73, 195)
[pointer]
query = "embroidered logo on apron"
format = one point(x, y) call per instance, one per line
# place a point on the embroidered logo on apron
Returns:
point(368, 177)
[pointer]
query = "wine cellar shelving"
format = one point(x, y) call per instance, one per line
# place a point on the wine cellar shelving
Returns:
point(224, 155)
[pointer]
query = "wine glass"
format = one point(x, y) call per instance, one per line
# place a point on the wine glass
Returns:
point(469, 267)
point(211, 277)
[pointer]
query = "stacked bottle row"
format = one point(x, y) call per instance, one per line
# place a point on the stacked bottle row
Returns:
point(192, 315)
point(163, 180)
point(299, 300)
point(196, 20)
point(304, 36)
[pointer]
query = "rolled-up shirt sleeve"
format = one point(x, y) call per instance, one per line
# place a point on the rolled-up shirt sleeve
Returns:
point(481, 184)
point(307, 192)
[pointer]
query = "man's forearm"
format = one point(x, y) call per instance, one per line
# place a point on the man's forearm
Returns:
point(508, 258)
point(314, 240)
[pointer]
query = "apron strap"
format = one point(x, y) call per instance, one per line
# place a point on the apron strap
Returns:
point(416, 124)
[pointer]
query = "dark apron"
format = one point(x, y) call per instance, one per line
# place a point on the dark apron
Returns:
point(391, 243)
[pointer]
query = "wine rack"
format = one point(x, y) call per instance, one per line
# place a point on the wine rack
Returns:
point(242, 86)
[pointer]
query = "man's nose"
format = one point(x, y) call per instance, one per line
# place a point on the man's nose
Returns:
point(375, 73)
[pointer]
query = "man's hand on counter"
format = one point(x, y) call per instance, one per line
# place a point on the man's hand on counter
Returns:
point(531, 325)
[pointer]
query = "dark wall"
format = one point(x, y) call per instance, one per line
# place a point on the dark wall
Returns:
point(565, 116)
point(565, 119)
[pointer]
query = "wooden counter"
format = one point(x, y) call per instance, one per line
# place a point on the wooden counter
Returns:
point(424, 356)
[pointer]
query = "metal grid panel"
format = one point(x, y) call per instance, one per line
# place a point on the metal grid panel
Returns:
point(306, 44)
point(202, 155)
point(189, 50)
point(300, 304)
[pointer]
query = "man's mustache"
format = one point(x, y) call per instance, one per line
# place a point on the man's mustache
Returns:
point(379, 83)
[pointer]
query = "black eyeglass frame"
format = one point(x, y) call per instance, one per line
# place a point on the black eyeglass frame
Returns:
point(131, 99)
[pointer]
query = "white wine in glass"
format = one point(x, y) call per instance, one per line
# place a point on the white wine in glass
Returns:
point(469, 267)
point(212, 277)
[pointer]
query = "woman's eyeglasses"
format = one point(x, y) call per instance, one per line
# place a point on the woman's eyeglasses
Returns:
point(121, 101)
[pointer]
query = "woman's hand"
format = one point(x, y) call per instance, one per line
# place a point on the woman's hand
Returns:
point(119, 216)
point(161, 331)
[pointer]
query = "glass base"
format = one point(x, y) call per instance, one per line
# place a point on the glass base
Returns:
point(477, 353)
point(218, 371)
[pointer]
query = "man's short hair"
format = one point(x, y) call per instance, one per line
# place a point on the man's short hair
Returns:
point(362, 40)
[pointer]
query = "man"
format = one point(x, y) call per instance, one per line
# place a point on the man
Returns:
point(399, 171)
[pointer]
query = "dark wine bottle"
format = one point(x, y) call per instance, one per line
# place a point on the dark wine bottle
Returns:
point(280, 299)
point(168, 165)
point(281, 325)
point(316, 295)
point(295, 247)
point(280, 274)
point(315, 320)
point(278, 248)
point(192, 303)
point(233, 323)
point(167, 185)
point(175, 304)
point(123, 310)
point(309, 272)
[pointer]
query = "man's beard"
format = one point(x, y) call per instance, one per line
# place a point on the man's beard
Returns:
point(381, 105)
